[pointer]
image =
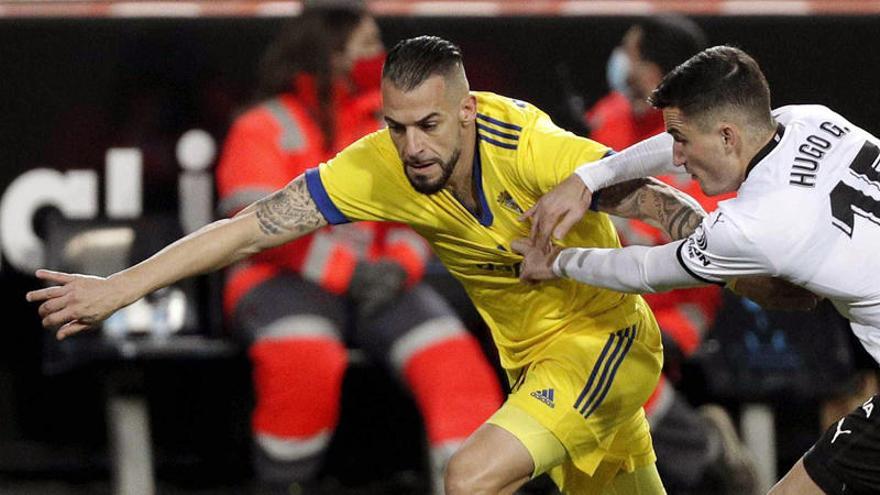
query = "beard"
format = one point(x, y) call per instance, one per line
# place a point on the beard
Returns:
point(426, 185)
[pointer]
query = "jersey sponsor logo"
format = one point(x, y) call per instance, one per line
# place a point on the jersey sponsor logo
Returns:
point(500, 268)
point(545, 396)
point(840, 430)
point(506, 200)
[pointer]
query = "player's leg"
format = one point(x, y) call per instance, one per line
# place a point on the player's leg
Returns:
point(612, 476)
point(292, 328)
point(455, 388)
point(503, 454)
point(845, 460)
point(608, 437)
point(585, 393)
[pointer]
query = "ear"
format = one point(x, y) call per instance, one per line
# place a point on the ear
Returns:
point(467, 111)
point(730, 137)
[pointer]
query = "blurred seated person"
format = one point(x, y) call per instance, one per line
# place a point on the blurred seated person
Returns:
point(299, 305)
point(697, 450)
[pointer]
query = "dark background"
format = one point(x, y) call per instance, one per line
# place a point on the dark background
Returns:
point(72, 88)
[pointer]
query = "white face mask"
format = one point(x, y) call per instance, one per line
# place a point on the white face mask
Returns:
point(617, 71)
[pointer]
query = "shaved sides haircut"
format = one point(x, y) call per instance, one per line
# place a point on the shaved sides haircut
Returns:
point(414, 60)
point(721, 77)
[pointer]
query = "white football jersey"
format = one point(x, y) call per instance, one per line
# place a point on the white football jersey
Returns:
point(808, 212)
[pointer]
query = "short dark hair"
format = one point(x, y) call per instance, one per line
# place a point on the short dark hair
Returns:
point(414, 60)
point(717, 77)
point(669, 40)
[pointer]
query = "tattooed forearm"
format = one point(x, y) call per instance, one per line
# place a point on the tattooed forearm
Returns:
point(289, 212)
point(685, 221)
point(655, 202)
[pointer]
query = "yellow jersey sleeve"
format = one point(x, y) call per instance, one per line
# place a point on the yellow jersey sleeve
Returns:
point(365, 181)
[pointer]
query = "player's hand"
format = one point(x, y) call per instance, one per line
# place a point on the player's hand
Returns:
point(558, 211)
point(776, 294)
point(537, 263)
point(79, 302)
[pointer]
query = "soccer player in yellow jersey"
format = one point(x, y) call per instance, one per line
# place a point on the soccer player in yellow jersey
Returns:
point(460, 167)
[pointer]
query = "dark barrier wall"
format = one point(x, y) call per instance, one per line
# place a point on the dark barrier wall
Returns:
point(71, 89)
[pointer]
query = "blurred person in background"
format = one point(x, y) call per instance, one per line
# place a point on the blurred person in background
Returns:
point(300, 304)
point(697, 451)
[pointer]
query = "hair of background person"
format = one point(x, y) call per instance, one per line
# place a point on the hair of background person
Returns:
point(414, 60)
point(307, 45)
point(669, 40)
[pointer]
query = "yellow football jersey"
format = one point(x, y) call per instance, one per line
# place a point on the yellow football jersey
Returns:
point(522, 155)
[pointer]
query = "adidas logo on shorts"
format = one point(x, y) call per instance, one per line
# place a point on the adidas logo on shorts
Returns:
point(545, 396)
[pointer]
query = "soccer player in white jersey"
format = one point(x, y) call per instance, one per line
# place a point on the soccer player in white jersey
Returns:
point(807, 211)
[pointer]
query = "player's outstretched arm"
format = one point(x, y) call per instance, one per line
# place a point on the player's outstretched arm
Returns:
point(643, 269)
point(654, 202)
point(634, 269)
point(79, 302)
point(560, 209)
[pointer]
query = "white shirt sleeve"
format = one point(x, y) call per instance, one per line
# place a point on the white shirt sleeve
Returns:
point(639, 269)
point(647, 158)
point(715, 253)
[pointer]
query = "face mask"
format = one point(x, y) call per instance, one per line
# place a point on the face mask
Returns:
point(617, 71)
point(366, 73)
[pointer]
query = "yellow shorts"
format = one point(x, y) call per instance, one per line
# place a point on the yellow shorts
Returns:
point(588, 391)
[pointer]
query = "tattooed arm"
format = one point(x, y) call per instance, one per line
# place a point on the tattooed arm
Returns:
point(80, 301)
point(654, 202)
point(624, 269)
point(649, 269)
point(287, 214)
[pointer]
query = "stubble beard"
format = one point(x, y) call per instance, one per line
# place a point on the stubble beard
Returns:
point(425, 185)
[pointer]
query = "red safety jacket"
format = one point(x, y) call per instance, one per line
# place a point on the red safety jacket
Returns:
point(273, 143)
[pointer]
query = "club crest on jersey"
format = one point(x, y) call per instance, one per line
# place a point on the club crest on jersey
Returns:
point(506, 200)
